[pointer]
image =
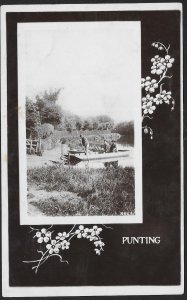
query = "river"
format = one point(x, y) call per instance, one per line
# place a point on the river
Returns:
point(123, 161)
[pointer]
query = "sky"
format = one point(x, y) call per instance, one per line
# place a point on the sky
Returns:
point(97, 65)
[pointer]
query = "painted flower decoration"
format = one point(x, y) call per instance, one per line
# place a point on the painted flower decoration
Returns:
point(157, 45)
point(99, 243)
point(97, 251)
point(158, 67)
point(148, 107)
point(151, 98)
point(81, 232)
point(163, 97)
point(53, 247)
point(147, 98)
point(149, 85)
point(62, 241)
point(169, 61)
point(95, 230)
point(62, 236)
point(43, 236)
point(161, 64)
point(65, 245)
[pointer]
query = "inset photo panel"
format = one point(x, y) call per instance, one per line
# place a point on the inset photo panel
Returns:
point(80, 122)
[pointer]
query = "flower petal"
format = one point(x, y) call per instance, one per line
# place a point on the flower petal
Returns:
point(159, 71)
point(48, 246)
point(56, 250)
point(171, 60)
point(167, 57)
point(40, 240)
point(38, 234)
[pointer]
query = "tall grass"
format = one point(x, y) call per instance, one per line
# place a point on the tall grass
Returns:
point(107, 191)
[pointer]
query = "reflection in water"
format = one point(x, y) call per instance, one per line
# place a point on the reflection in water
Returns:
point(111, 164)
point(100, 164)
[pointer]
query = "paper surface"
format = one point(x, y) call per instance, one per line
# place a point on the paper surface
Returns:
point(92, 163)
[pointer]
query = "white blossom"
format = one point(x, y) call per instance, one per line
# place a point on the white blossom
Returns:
point(53, 247)
point(82, 232)
point(43, 235)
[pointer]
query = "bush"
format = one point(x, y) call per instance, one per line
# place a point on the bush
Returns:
point(45, 130)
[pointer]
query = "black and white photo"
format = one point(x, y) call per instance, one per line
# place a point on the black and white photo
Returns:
point(92, 150)
point(80, 122)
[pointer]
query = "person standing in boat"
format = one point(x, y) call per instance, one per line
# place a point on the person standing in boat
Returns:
point(113, 147)
point(85, 143)
point(106, 146)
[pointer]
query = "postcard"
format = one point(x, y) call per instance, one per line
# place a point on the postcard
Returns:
point(92, 150)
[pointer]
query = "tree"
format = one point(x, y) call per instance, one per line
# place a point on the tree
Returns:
point(32, 115)
point(95, 125)
point(78, 125)
point(49, 111)
point(86, 125)
point(44, 130)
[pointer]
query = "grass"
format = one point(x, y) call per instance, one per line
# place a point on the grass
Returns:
point(108, 191)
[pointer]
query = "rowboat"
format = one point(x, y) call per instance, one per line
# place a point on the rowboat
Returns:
point(77, 156)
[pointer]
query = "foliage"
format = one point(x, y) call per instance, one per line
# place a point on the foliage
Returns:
point(126, 129)
point(32, 114)
point(49, 111)
point(44, 130)
point(95, 138)
point(72, 122)
point(108, 191)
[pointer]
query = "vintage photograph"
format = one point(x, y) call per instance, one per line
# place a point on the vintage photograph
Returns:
point(92, 150)
point(79, 119)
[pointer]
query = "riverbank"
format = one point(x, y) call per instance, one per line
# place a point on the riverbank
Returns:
point(95, 137)
point(62, 191)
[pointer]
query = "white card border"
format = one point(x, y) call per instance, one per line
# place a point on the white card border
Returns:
point(76, 291)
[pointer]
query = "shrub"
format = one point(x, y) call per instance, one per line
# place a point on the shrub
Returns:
point(45, 130)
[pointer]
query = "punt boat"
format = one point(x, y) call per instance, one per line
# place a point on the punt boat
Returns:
point(77, 156)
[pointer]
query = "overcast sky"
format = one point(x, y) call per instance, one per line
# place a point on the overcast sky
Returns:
point(96, 64)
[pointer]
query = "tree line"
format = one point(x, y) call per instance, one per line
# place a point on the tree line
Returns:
point(43, 115)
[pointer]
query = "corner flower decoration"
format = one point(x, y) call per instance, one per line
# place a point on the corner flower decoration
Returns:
point(153, 93)
point(43, 235)
point(55, 244)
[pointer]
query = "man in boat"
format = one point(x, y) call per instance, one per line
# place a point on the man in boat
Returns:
point(85, 143)
point(113, 147)
point(106, 146)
